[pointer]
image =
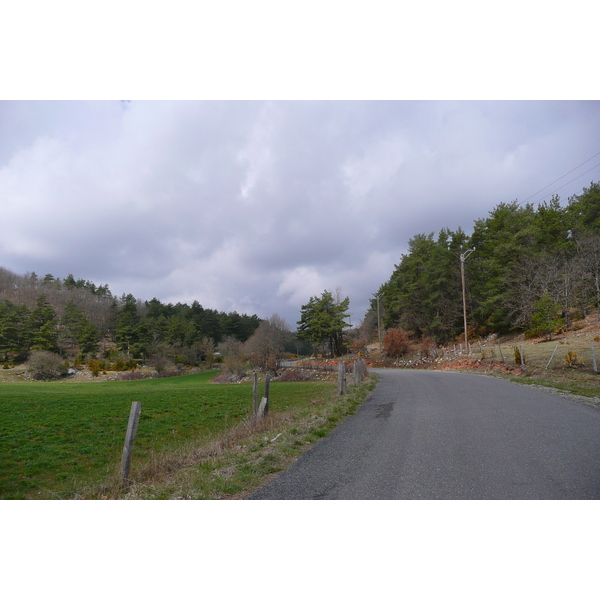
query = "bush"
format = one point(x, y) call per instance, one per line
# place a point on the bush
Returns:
point(132, 376)
point(46, 366)
point(297, 375)
point(234, 365)
point(573, 361)
point(234, 361)
point(123, 364)
point(425, 347)
point(517, 352)
point(395, 342)
point(161, 364)
point(95, 366)
point(545, 320)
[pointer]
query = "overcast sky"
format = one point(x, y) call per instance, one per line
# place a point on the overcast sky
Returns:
point(304, 158)
point(254, 206)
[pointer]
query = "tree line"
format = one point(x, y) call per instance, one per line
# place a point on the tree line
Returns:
point(82, 322)
point(74, 317)
point(531, 269)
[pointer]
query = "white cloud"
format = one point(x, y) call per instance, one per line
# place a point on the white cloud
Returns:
point(256, 206)
point(376, 168)
point(300, 283)
point(257, 156)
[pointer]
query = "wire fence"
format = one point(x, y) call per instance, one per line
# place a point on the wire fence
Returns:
point(582, 354)
point(328, 366)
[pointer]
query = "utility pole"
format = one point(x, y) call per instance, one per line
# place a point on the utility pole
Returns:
point(463, 257)
point(378, 323)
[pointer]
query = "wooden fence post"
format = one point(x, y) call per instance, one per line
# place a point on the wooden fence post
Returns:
point(555, 349)
point(134, 419)
point(341, 378)
point(255, 394)
point(501, 355)
point(594, 360)
point(345, 381)
point(358, 371)
point(267, 387)
point(522, 355)
point(263, 409)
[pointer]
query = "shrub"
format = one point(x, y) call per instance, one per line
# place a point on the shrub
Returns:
point(297, 375)
point(545, 320)
point(395, 342)
point(46, 366)
point(425, 347)
point(123, 364)
point(132, 376)
point(573, 361)
point(517, 352)
point(169, 373)
point(358, 345)
point(234, 365)
point(233, 359)
point(161, 364)
point(95, 366)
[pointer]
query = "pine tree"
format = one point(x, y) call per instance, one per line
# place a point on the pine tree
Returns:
point(322, 321)
point(41, 326)
point(545, 319)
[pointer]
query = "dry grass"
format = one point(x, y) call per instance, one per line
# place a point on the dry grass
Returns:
point(160, 468)
point(570, 369)
point(233, 464)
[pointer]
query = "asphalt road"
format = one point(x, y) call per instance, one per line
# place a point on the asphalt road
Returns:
point(439, 435)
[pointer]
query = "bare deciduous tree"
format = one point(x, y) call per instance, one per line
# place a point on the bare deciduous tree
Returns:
point(267, 344)
point(589, 254)
point(233, 356)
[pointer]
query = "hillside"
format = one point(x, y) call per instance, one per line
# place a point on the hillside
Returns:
point(547, 362)
point(80, 320)
point(525, 268)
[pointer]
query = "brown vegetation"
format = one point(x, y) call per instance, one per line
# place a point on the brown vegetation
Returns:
point(396, 342)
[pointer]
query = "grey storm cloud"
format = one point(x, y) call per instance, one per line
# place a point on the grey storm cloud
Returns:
point(255, 206)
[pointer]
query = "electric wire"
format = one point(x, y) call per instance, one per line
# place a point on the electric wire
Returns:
point(568, 182)
point(562, 177)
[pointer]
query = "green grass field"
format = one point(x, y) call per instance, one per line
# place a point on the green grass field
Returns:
point(57, 438)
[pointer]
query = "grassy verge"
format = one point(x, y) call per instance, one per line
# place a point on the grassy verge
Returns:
point(234, 463)
point(195, 439)
point(575, 384)
point(541, 367)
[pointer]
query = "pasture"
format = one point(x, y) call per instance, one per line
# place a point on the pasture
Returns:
point(59, 438)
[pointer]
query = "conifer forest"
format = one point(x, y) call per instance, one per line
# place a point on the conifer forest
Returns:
point(526, 269)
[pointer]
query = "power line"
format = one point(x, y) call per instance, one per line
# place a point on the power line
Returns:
point(568, 182)
point(561, 177)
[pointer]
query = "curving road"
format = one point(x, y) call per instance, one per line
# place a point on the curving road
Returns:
point(440, 435)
